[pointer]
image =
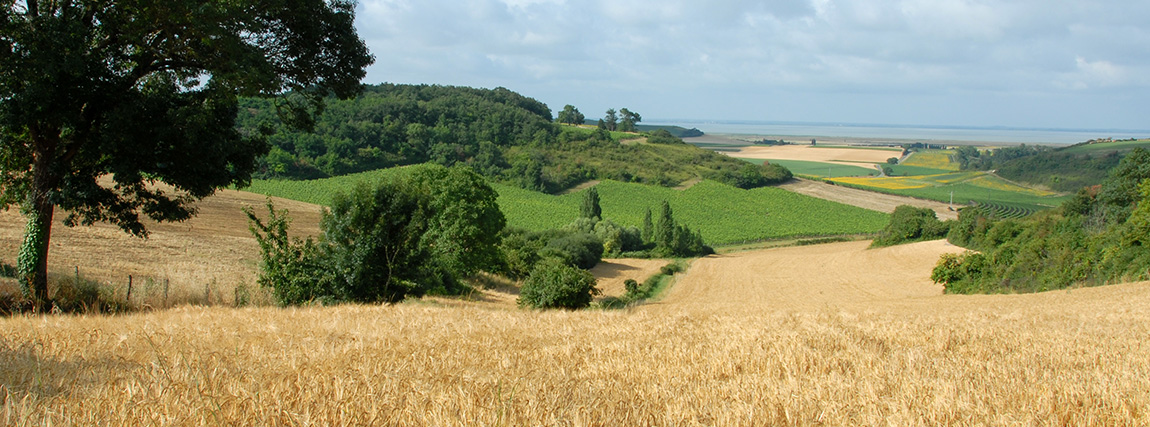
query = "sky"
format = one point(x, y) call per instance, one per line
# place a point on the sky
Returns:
point(1024, 63)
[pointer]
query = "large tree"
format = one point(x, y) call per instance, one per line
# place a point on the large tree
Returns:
point(102, 99)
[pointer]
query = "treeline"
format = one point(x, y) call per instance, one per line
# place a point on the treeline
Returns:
point(1052, 167)
point(1101, 235)
point(502, 135)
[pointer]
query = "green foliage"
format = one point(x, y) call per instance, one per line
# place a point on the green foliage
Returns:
point(610, 122)
point(911, 224)
point(1065, 169)
point(33, 251)
point(892, 161)
point(582, 250)
point(752, 176)
point(146, 92)
point(660, 136)
point(1096, 237)
point(628, 119)
point(590, 207)
point(554, 284)
point(652, 286)
point(295, 269)
point(570, 115)
point(405, 236)
point(721, 213)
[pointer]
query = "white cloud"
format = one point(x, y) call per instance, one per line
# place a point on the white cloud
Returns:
point(616, 53)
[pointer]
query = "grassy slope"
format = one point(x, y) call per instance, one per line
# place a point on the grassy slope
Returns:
point(723, 214)
point(819, 169)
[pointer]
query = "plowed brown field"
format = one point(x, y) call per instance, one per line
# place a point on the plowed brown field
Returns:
point(832, 334)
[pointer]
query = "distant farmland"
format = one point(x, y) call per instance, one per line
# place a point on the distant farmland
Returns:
point(723, 214)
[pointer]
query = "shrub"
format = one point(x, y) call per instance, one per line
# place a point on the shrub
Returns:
point(405, 236)
point(631, 286)
point(670, 269)
point(911, 224)
point(555, 284)
point(580, 250)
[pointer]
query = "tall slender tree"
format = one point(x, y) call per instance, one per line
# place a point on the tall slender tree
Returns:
point(101, 99)
point(590, 207)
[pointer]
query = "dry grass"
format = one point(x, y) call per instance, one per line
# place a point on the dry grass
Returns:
point(202, 260)
point(831, 334)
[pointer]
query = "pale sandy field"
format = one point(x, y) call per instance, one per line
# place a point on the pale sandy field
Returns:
point(816, 154)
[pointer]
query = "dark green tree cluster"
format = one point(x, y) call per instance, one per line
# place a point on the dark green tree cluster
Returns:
point(911, 224)
point(390, 125)
point(1100, 235)
point(750, 175)
point(502, 135)
point(671, 239)
point(408, 235)
point(1057, 168)
point(570, 115)
point(623, 120)
point(144, 92)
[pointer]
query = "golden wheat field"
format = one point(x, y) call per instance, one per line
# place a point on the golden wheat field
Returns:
point(817, 335)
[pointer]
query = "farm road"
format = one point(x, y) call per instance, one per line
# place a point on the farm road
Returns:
point(865, 199)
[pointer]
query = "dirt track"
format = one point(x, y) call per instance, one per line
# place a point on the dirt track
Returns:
point(865, 199)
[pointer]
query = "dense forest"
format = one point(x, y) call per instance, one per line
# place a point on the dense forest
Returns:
point(501, 134)
point(1060, 169)
point(1100, 235)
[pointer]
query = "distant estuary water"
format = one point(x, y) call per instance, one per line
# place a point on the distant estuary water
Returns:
point(915, 133)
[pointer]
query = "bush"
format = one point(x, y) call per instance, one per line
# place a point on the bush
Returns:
point(554, 284)
point(670, 269)
point(911, 224)
point(631, 286)
point(580, 250)
point(405, 236)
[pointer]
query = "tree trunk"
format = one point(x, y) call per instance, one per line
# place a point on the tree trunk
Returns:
point(32, 261)
point(33, 258)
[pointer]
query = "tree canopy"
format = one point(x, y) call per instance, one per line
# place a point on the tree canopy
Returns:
point(404, 236)
point(142, 92)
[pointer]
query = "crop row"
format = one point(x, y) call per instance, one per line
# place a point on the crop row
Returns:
point(1004, 211)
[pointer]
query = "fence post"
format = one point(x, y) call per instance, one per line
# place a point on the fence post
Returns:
point(128, 298)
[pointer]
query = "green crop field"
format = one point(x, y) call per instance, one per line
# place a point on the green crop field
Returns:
point(820, 169)
point(907, 170)
point(966, 187)
point(723, 214)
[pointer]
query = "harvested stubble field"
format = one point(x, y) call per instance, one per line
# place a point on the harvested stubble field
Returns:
point(830, 334)
point(817, 153)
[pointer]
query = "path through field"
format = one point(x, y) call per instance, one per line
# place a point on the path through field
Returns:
point(865, 199)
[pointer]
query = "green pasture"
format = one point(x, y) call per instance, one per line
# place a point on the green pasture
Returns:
point(820, 169)
point(723, 214)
